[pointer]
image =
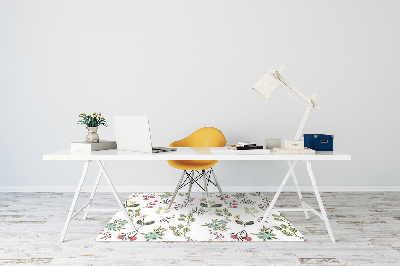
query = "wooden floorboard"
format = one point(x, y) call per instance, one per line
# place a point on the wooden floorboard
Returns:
point(366, 226)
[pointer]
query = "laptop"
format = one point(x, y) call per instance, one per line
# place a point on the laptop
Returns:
point(133, 134)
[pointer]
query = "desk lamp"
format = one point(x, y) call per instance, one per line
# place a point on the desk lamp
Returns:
point(266, 86)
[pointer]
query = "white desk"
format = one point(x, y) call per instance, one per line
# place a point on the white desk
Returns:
point(193, 154)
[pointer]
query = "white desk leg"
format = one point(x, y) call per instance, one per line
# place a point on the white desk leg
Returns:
point(93, 192)
point(299, 192)
point(128, 219)
point(271, 205)
point(321, 205)
point(71, 210)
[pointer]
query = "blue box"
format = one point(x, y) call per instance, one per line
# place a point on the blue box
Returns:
point(318, 142)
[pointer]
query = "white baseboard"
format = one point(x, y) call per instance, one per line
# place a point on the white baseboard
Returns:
point(195, 189)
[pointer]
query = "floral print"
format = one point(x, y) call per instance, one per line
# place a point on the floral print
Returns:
point(155, 235)
point(189, 220)
point(217, 225)
point(117, 225)
point(183, 227)
point(266, 234)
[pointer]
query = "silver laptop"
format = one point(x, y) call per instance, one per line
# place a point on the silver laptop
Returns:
point(133, 134)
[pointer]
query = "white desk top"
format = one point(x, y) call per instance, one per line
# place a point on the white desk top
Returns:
point(185, 153)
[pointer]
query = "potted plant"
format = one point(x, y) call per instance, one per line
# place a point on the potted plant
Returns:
point(92, 123)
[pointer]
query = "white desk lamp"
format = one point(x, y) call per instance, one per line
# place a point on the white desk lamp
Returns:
point(266, 86)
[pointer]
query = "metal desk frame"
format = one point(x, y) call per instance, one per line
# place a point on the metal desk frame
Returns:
point(203, 153)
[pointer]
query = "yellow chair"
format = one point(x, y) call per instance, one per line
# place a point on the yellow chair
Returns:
point(204, 137)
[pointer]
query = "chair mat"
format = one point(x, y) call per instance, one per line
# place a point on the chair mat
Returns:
point(189, 220)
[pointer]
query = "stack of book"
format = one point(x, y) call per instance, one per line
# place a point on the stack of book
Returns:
point(245, 146)
point(98, 146)
point(240, 148)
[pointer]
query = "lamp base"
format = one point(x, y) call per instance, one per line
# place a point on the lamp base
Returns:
point(293, 151)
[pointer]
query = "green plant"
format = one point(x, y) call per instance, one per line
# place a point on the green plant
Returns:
point(93, 120)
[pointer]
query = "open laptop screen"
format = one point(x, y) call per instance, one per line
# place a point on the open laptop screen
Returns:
point(132, 133)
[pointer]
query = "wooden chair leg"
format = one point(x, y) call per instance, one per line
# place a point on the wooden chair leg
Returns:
point(218, 186)
point(190, 185)
point(206, 191)
point(177, 188)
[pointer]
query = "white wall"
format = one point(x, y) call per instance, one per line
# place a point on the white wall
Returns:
point(190, 64)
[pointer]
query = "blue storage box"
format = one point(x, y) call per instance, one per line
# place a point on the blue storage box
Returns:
point(318, 142)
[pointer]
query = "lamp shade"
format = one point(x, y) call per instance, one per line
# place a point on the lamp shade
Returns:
point(266, 86)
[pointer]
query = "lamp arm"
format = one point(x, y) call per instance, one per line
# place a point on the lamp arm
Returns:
point(293, 88)
point(311, 102)
point(305, 117)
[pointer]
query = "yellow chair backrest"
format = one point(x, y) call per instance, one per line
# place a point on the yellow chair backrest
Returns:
point(204, 137)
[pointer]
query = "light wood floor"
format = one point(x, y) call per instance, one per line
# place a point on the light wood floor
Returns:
point(366, 226)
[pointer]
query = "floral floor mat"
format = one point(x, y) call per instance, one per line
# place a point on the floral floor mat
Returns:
point(189, 220)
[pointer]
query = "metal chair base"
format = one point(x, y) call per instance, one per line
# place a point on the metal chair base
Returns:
point(192, 179)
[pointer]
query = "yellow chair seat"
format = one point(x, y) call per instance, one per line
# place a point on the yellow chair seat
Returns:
point(191, 164)
point(204, 137)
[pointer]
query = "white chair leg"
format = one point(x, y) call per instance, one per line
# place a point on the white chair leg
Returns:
point(299, 192)
point(218, 186)
point(206, 191)
point(190, 185)
point(177, 188)
point(321, 205)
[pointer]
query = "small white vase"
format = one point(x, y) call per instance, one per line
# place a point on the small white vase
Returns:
point(92, 136)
